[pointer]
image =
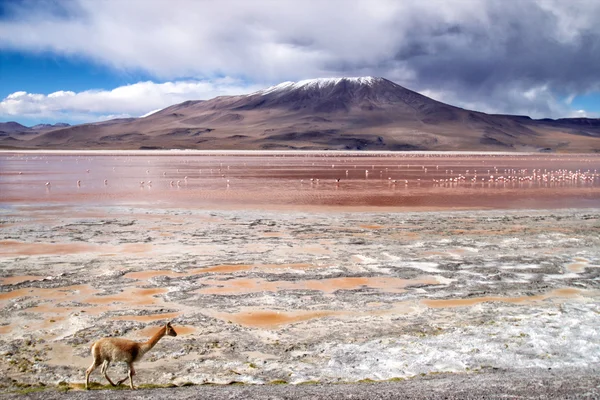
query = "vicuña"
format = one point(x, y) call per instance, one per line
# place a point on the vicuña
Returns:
point(110, 349)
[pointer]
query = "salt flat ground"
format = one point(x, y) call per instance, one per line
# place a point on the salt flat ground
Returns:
point(273, 271)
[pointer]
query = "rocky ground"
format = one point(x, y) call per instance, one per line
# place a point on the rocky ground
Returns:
point(297, 297)
point(493, 384)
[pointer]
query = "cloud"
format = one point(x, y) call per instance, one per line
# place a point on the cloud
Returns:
point(125, 101)
point(482, 53)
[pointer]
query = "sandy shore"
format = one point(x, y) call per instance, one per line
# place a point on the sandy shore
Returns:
point(288, 295)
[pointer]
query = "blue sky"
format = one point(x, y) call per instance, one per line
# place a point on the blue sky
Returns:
point(48, 72)
point(590, 101)
point(82, 60)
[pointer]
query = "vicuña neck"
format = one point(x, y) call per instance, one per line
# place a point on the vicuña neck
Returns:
point(148, 345)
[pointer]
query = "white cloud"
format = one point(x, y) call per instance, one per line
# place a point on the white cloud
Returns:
point(16, 95)
point(482, 51)
point(122, 102)
point(61, 93)
point(266, 40)
point(536, 102)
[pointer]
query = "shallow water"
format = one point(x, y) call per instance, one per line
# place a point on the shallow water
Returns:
point(398, 181)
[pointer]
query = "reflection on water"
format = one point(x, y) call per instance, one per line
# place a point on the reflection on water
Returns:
point(11, 248)
point(262, 319)
point(400, 180)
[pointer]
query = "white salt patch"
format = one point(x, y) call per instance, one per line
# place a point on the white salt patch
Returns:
point(415, 245)
point(444, 281)
point(523, 266)
point(365, 259)
point(464, 271)
point(423, 266)
point(542, 339)
point(73, 325)
point(522, 278)
point(570, 275)
point(477, 283)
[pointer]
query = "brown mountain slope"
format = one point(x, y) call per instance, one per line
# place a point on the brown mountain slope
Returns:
point(334, 113)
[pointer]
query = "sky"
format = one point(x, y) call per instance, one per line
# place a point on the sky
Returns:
point(82, 61)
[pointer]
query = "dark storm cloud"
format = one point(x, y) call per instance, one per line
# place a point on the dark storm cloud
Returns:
point(510, 60)
point(520, 47)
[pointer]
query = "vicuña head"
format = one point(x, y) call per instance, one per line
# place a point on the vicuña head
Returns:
point(110, 349)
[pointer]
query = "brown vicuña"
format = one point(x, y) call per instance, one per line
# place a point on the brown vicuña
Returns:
point(110, 349)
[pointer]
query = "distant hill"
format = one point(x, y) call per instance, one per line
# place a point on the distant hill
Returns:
point(13, 128)
point(50, 126)
point(332, 113)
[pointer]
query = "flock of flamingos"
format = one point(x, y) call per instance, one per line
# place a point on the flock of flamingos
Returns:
point(510, 176)
point(392, 173)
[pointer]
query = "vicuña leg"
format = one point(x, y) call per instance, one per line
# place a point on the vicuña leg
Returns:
point(131, 374)
point(104, 372)
point(95, 364)
point(123, 380)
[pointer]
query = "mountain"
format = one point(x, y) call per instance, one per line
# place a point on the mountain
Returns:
point(40, 127)
point(14, 131)
point(12, 127)
point(331, 113)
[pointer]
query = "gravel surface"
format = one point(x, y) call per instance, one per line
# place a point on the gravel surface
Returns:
point(522, 384)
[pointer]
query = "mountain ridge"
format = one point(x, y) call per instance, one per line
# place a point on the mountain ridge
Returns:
point(15, 127)
point(327, 113)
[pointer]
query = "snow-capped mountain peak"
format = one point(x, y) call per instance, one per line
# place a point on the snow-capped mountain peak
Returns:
point(317, 84)
point(325, 95)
